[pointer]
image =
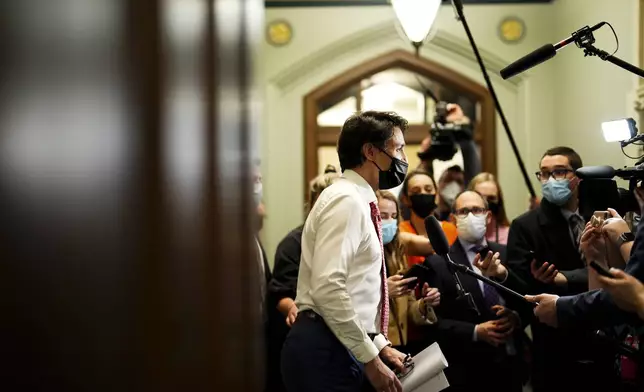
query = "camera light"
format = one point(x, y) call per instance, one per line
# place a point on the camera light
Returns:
point(619, 130)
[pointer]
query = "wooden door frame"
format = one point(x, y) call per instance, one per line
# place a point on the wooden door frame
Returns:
point(484, 128)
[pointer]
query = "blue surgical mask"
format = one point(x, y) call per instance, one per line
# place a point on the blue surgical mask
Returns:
point(389, 230)
point(557, 191)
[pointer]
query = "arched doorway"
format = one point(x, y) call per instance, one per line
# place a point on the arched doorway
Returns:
point(399, 72)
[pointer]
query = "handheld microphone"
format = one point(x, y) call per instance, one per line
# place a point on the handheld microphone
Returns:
point(440, 244)
point(436, 236)
point(441, 247)
point(546, 52)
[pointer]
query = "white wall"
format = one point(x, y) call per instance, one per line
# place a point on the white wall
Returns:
point(555, 103)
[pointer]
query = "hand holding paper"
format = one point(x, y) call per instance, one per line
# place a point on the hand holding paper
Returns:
point(427, 374)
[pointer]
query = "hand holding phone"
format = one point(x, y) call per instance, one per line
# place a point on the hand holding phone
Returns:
point(601, 270)
point(599, 217)
point(420, 272)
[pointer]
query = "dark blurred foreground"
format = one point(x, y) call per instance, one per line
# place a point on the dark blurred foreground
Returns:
point(126, 134)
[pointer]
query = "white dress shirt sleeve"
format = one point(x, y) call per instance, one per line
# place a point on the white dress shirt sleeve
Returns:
point(339, 232)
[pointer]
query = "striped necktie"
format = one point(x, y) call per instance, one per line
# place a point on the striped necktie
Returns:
point(384, 299)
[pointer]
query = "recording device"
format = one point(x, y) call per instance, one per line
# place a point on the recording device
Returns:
point(445, 136)
point(418, 271)
point(582, 37)
point(600, 269)
point(598, 191)
point(439, 242)
point(598, 218)
point(436, 236)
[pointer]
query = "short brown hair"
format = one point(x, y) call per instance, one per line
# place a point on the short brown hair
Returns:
point(573, 158)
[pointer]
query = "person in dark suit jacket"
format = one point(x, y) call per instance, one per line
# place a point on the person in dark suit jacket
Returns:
point(482, 346)
point(543, 249)
point(597, 309)
point(552, 230)
point(272, 378)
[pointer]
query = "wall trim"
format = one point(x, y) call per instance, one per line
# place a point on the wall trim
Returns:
point(444, 42)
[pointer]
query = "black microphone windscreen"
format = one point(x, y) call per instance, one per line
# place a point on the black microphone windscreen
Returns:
point(546, 52)
point(589, 172)
point(436, 235)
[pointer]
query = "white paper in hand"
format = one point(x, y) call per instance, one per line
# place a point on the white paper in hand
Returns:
point(427, 374)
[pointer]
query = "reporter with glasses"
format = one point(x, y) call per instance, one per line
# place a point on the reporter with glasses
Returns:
point(483, 346)
point(543, 249)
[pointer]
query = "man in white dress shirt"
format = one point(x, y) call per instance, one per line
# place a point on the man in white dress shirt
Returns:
point(338, 342)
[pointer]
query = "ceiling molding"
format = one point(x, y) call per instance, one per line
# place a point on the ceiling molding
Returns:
point(444, 43)
point(354, 3)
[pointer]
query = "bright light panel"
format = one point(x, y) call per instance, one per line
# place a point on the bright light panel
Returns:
point(616, 131)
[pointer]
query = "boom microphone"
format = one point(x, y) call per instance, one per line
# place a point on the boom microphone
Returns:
point(546, 52)
point(436, 236)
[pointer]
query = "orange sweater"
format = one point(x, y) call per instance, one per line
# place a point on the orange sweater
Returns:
point(448, 228)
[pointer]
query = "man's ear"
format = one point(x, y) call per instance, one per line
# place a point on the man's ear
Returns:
point(488, 217)
point(452, 218)
point(369, 151)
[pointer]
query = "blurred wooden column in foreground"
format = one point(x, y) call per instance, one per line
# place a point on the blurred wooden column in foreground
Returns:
point(126, 260)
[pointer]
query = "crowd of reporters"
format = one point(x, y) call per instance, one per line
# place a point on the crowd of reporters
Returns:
point(543, 253)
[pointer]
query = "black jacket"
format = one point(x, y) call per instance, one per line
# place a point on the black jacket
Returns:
point(595, 309)
point(546, 232)
point(469, 361)
point(287, 266)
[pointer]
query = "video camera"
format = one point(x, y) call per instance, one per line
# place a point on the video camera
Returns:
point(598, 190)
point(445, 136)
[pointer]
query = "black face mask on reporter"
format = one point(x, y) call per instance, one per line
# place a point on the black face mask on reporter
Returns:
point(423, 204)
point(495, 207)
point(394, 176)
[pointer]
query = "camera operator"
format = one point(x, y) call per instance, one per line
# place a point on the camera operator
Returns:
point(447, 114)
point(452, 114)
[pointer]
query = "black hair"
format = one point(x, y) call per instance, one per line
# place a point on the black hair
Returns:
point(573, 157)
point(362, 128)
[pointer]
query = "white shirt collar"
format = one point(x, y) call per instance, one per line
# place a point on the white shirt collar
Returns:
point(365, 190)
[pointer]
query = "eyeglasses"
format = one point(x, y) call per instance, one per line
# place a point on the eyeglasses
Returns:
point(462, 212)
point(557, 174)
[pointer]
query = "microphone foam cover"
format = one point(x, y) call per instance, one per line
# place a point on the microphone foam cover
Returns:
point(536, 57)
point(436, 235)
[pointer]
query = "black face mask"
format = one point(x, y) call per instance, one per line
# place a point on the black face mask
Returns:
point(423, 204)
point(393, 177)
point(494, 207)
